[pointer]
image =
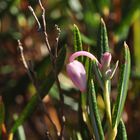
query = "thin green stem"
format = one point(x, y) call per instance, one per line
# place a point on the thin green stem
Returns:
point(112, 131)
point(107, 103)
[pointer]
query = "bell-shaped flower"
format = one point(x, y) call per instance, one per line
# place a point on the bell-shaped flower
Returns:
point(77, 73)
point(76, 70)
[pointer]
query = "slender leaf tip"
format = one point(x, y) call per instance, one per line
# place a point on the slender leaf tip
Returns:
point(102, 21)
point(125, 45)
point(75, 26)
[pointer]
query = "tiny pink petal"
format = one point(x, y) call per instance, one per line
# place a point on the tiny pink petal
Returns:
point(105, 61)
point(77, 73)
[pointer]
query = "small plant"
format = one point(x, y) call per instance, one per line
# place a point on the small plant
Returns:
point(104, 73)
point(90, 74)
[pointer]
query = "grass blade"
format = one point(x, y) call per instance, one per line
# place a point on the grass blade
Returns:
point(20, 134)
point(98, 74)
point(93, 109)
point(77, 41)
point(123, 86)
point(103, 39)
point(121, 135)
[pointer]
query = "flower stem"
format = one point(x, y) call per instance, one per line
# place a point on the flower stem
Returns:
point(107, 103)
point(82, 53)
point(112, 131)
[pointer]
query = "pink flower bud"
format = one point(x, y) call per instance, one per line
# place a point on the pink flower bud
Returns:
point(104, 66)
point(105, 61)
point(77, 73)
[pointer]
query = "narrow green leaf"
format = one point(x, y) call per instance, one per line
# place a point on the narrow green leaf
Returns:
point(76, 135)
point(121, 135)
point(98, 74)
point(103, 39)
point(77, 41)
point(123, 86)
point(34, 101)
point(86, 62)
point(93, 108)
point(79, 137)
point(20, 131)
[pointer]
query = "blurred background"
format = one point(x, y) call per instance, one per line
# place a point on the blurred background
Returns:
point(122, 18)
